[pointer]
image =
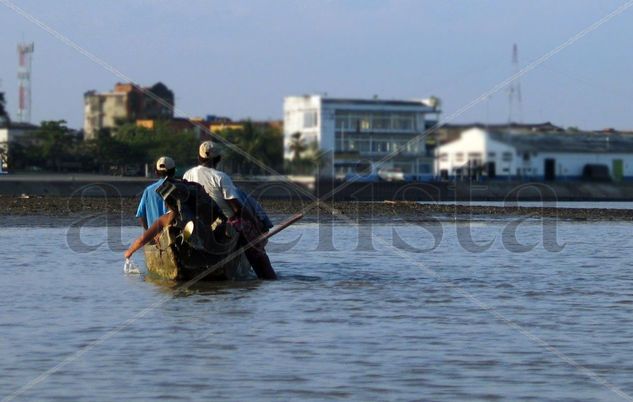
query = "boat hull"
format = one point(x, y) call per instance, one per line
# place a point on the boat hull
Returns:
point(168, 259)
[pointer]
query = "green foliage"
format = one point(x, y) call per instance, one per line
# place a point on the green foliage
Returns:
point(263, 143)
point(52, 147)
point(150, 144)
point(127, 148)
point(4, 116)
point(297, 146)
point(305, 157)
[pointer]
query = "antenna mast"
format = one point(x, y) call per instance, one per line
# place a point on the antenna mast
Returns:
point(25, 50)
point(514, 91)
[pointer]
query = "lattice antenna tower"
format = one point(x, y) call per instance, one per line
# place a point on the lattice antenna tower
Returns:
point(25, 52)
point(514, 91)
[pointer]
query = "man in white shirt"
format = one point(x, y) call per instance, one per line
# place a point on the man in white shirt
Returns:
point(221, 188)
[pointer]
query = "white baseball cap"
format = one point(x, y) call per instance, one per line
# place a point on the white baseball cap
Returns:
point(208, 150)
point(165, 163)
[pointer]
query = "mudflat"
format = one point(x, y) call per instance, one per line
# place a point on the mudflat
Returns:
point(124, 209)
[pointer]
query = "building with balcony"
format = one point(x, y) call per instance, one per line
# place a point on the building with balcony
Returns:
point(346, 132)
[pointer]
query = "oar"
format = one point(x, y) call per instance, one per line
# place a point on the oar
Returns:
point(277, 229)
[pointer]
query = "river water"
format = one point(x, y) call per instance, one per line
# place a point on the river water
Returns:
point(353, 317)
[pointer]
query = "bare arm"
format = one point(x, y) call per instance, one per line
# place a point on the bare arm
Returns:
point(149, 234)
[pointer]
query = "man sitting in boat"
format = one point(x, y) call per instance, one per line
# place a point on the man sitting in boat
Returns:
point(152, 206)
point(222, 190)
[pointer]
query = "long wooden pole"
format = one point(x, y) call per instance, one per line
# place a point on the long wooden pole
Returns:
point(278, 228)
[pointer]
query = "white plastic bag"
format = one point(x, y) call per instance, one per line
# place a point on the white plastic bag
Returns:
point(129, 268)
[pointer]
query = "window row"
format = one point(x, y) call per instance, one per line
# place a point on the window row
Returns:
point(366, 121)
point(462, 157)
point(354, 145)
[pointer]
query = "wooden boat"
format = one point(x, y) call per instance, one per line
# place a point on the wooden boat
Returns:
point(197, 244)
point(173, 258)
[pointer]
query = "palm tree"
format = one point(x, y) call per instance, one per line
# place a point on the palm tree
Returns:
point(297, 146)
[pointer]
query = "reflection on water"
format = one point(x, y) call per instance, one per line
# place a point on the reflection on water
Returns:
point(347, 322)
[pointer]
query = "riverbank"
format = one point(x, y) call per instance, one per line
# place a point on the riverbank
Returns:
point(123, 209)
point(296, 188)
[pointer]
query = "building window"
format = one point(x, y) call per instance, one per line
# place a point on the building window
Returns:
point(404, 122)
point(412, 146)
point(459, 157)
point(375, 121)
point(380, 146)
point(361, 146)
point(342, 124)
point(310, 119)
point(507, 157)
point(381, 121)
point(492, 155)
point(443, 157)
point(424, 168)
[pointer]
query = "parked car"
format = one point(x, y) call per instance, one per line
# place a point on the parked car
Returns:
point(391, 174)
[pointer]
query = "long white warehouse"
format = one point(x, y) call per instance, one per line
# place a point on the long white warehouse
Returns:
point(536, 156)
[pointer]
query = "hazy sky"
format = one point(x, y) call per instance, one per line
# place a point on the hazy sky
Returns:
point(240, 58)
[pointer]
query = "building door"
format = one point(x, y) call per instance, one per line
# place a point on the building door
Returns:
point(618, 169)
point(550, 169)
point(492, 170)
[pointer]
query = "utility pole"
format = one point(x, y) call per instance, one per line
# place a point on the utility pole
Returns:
point(25, 50)
point(514, 91)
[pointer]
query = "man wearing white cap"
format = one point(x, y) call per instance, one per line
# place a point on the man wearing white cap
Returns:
point(152, 205)
point(221, 188)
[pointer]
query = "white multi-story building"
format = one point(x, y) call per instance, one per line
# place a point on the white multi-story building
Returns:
point(344, 132)
point(542, 156)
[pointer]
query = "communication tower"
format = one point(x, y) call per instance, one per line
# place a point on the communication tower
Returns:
point(514, 91)
point(25, 51)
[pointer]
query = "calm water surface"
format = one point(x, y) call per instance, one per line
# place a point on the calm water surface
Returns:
point(374, 323)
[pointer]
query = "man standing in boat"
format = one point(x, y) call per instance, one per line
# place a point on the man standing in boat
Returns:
point(228, 198)
point(152, 205)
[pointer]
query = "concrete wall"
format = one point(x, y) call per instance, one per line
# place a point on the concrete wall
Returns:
point(101, 186)
point(482, 191)
point(571, 165)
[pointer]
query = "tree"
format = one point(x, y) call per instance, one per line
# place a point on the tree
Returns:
point(261, 142)
point(297, 146)
point(147, 145)
point(4, 116)
point(57, 146)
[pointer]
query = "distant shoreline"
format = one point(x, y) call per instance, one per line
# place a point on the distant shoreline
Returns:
point(45, 210)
